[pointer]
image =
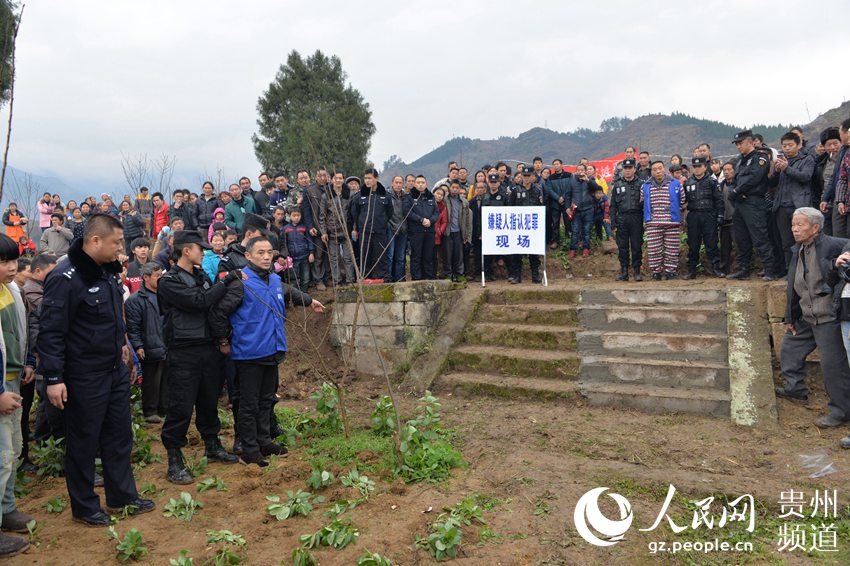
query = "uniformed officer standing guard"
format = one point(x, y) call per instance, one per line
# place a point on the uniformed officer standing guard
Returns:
point(83, 352)
point(527, 194)
point(194, 371)
point(705, 214)
point(749, 222)
point(627, 218)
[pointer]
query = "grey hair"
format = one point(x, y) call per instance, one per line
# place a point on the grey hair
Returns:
point(814, 215)
point(150, 268)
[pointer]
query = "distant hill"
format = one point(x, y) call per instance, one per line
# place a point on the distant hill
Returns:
point(660, 134)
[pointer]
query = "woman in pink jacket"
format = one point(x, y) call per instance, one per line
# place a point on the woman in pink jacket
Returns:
point(45, 210)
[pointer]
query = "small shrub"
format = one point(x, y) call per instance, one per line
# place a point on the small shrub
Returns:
point(297, 503)
point(361, 483)
point(130, 547)
point(183, 508)
point(327, 405)
point(383, 417)
point(338, 534)
point(49, 456)
point(444, 539)
point(319, 479)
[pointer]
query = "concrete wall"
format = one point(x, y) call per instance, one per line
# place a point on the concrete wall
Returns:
point(403, 318)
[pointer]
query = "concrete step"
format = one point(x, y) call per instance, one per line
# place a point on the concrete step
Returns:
point(657, 318)
point(549, 364)
point(661, 373)
point(658, 399)
point(648, 296)
point(528, 313)
point(685, 347)
point(538, 295)
point(506, 386)
point(539, 336)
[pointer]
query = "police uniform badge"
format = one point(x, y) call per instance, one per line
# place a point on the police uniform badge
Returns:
point(762, 161)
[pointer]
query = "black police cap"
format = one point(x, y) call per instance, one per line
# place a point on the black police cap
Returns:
point(255, 222)
point(741, 136)
point(190, 237)
point(528, 171)
point(699, 161)
point(628, 163)
point(493, 177)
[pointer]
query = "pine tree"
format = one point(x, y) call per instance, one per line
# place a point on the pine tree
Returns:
point(309, 117)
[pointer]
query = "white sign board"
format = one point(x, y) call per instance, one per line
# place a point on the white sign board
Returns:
point(509, 230)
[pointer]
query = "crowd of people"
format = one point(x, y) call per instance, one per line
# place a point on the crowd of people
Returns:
point(189, 296)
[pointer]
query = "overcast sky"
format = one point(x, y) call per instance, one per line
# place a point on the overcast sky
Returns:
point(98, 78)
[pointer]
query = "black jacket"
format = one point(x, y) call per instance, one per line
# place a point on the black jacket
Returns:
point(827, 249)
point(233, 258)
point(144, 325)
point(187, 212)
point(205, 210)
point(134, 226)
point(704, 195)
point(185, 300)
point(82, 319)
point(750, 176)
point(371, 211)
point(419, 206)
point(626, 198)
point(335, 213)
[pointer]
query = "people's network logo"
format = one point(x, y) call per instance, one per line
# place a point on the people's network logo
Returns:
point(590, 522)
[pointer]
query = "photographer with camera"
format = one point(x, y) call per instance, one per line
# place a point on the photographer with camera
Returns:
point(811, 316)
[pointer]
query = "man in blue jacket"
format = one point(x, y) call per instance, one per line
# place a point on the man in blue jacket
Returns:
point(258, 346)
point(663, 200)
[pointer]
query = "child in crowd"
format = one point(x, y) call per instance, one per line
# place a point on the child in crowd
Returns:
point(213, 257)
point(601, 218)
point(440, 226)
point(298, 245)
point(26, 247)
point(217, 224)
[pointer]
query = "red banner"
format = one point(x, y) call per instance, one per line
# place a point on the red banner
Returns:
point(604, 167)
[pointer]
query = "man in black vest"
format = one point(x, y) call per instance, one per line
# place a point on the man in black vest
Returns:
point(627, 218)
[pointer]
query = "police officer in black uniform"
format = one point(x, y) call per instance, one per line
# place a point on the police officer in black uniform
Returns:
point(422, 214)
point(705, 214)
point(527, 194)
point(749, 222)
point(495, 196)
point(83, 353)
point(186, 297)
point(371, 211)
point(627, 218)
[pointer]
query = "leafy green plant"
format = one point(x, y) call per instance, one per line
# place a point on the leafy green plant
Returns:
point(485, 535)
point(183, 508)
point(444, 540)
point(294, 424)
point(183, 560)
point(197, 466)
point(130, 547)
point(33, 532)
point(297, 503)
point(327, 405)
point(225, 417)
point(425, 446)
point(338, 534)
point(340, 507)
point(55, 505)
point(384, 417)
point(361, 483)
point(467, 510)
point(373, 559)
point(148, 488)
point(212, 482)
point(22, 481)
point(319, 479)
point(143, 453)
point(49, 455)
point(302, 557)
point(230, 550)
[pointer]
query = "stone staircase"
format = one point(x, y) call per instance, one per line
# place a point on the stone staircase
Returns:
point(655, 349)
point(518, 342)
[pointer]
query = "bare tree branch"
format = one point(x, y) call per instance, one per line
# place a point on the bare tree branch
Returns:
point(17, 26)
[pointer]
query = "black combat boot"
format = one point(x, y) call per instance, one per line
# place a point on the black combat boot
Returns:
point(638, 276)
point(718, 272)
point(177, 472)
point(215, 452)
point(624, 274)
point(740, 274)
point(535, 276)
point(691, 274)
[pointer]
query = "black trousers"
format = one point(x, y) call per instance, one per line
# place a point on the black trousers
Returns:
point(49, 421)
point(373, 262)
point(775, 238)
point(515, 265)
point(702, 230)
point(421, 255)
point(453, 248)
point(154, 388)
point(749, 226)
point(257, 388)
point(27, 398)
point(98, 423)
point(476, 257)
point(556, 214)
point(783, 224)
point(726, 247)
point(194, 377)
point(630, 238)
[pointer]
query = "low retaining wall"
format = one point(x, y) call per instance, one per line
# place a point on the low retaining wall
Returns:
point(403, 318)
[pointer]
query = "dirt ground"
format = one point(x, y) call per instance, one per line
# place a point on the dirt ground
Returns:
point(539, 457)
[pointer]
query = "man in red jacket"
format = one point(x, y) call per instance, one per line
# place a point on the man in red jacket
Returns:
point(160, 214)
